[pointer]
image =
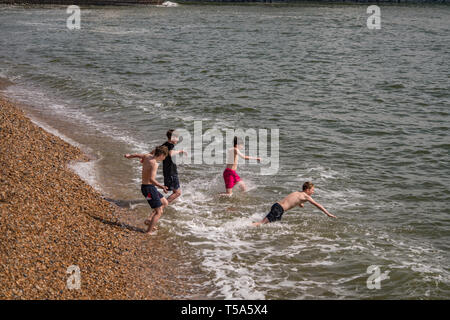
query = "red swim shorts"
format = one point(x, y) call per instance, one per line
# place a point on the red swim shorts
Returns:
point(231, 178)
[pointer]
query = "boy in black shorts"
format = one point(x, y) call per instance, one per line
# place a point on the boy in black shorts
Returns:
point(294, 199)
point(170, 171)
point(148, 187)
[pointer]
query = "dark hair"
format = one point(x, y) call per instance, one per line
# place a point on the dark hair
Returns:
point(169, 134)
point(237, 141)
point(161, 150)
point(307, 185)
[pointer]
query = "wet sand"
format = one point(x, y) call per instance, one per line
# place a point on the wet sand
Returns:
point(51, 219)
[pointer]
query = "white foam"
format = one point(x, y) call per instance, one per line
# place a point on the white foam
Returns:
point(318, 263)
point(320, 172)
point(55, 132)
point(222, 245)
point(87, 171)
point(168, 4)
point(36, 98)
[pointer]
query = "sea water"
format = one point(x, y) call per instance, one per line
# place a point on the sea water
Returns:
point(362, 113)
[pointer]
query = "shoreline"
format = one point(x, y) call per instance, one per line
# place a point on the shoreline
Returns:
point(51, 219)
point(118, 3)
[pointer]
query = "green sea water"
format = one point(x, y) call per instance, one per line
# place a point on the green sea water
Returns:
point(364, 114)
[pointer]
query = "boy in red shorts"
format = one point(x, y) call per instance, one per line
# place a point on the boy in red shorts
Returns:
point(230, 176)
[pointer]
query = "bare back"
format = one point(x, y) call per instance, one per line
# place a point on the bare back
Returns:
point(149, 167)
point(294, 199)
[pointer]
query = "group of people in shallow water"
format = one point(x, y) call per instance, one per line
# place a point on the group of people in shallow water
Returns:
point(165, 152)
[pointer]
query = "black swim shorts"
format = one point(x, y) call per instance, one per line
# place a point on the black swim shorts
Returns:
point(275, 212)
point(152, 195)
point(172, 182)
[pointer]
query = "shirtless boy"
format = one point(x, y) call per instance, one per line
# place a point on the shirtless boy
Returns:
point(148, 188)
point(294, 199)
point(230, 176)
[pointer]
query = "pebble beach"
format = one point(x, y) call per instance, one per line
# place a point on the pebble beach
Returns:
point(51, 219)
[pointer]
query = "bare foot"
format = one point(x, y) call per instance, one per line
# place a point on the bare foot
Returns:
point(225, 194)
point(257, 224)
point(147, 223)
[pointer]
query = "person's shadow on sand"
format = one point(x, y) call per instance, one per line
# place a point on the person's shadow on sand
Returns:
point(118, 224)
point(125, 203)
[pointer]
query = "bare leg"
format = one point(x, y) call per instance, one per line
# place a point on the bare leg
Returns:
point(229, 192)
point(176, 193)
point(151, 214)
point(148, 222)
point(154, 220)
point(150, 217)
point(164, 202)
point(242, 186)
point(263, 221)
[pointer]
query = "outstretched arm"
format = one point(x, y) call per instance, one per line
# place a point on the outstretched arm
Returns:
point(318, 205)
point(240, 154)
point(134, 155)
point(173, 152)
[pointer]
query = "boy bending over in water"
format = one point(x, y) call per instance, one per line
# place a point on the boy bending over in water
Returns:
point(294, 199)
point(230, 176)
point(148, 188)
